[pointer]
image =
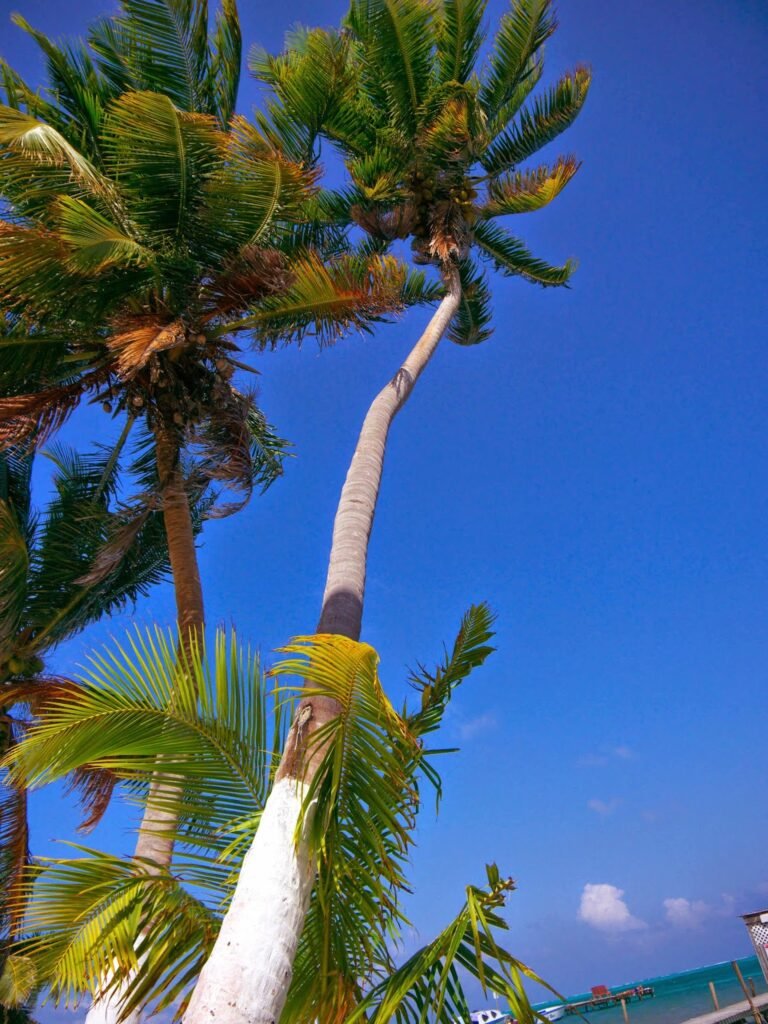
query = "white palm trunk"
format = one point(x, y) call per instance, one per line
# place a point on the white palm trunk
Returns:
point(246, 978)
point(248, 974)
point(105, 1009)
point(344, 594)
point(154, 848)
point(154, 844)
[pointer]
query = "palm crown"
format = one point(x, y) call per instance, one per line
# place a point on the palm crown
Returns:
point(432, 141)
point(143, 234)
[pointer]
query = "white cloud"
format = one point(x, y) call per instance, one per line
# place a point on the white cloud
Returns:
point(683, 913)
point(476, 726)
point(602, 907)
point(603, 807)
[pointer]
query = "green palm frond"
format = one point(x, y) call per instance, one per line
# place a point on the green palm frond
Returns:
point(251, 190)
point(470, 649)
point(526, 191)
point(93, 241)
point(138, 702)
point(365, 803)
point(399, 37)
point(471, 324)
point(14, 555)
point(551, 114)
point(225, 61)
point(80, 93)
point(162, 156)
point(158, 46)
point(17, 984)
point(521, 34)
point(83, 917)
point(428, 985)
point(459, 38)
point(326, 299)
point(41, 143)
point(509, 255)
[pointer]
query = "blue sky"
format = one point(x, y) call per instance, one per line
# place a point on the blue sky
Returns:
point(596, 471)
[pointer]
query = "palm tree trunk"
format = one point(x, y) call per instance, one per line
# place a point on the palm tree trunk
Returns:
point(154, 845)
point(248, 974)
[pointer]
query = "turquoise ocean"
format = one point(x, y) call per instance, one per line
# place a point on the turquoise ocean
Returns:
point(678, 996)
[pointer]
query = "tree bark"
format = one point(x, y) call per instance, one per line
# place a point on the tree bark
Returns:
point(154, 845)
point(248, 974)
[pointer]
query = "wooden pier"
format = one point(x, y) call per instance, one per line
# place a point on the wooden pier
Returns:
point(734, 1013)
point(602, 998)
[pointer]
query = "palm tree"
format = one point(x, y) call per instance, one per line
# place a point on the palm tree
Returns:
point(143, 236)
point(432, 144)
point(49, 591)
point(221, 733)
point(134, 255)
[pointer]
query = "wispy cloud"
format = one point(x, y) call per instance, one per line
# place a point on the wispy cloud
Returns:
point(603, 907)
point(624, 753)
point(604, 807)
point(605, 755)
point(683, 913)
point(476, 726)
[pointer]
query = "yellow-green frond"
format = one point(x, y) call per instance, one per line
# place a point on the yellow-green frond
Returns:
point(526, 191)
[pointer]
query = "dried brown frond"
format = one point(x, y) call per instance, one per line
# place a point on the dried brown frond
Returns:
point(449, 237)
point(397, 222)
point(139, 338)
point(94, 787)
point(132, 519)
point(29, 420)
point(223, 446)
point(246, 277)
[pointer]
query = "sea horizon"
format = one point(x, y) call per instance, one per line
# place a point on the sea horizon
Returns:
point(677, 996)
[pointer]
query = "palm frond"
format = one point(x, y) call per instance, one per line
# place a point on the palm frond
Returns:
point(158, 46)
point(14, 555)
point(526, 191)
point(93, 242)
point(25, 134)
point(18, 980)
point(399, 36)
point(428, 985)
point(551, 113)
point(522, 32)
point(225, 61)
point(31, 419)
point(83, 915)
point(327, 299)
point(509, 255)
point(470, 649)
point(459, 38)
point(14, 838)
point(470, 325)
point(161, 156)
point(80, 93)
point(138, 702)
point(365, 804)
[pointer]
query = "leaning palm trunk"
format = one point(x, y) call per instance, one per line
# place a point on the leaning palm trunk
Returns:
point(248, 974)
point(154, 846)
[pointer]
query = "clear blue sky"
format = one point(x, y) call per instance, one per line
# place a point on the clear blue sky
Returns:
point(597, 471)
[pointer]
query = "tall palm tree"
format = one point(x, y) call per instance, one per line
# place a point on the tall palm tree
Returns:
point(143, 236)
point(433, 142)
point(433, 145)
point(132, 258)
point(222, 734)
